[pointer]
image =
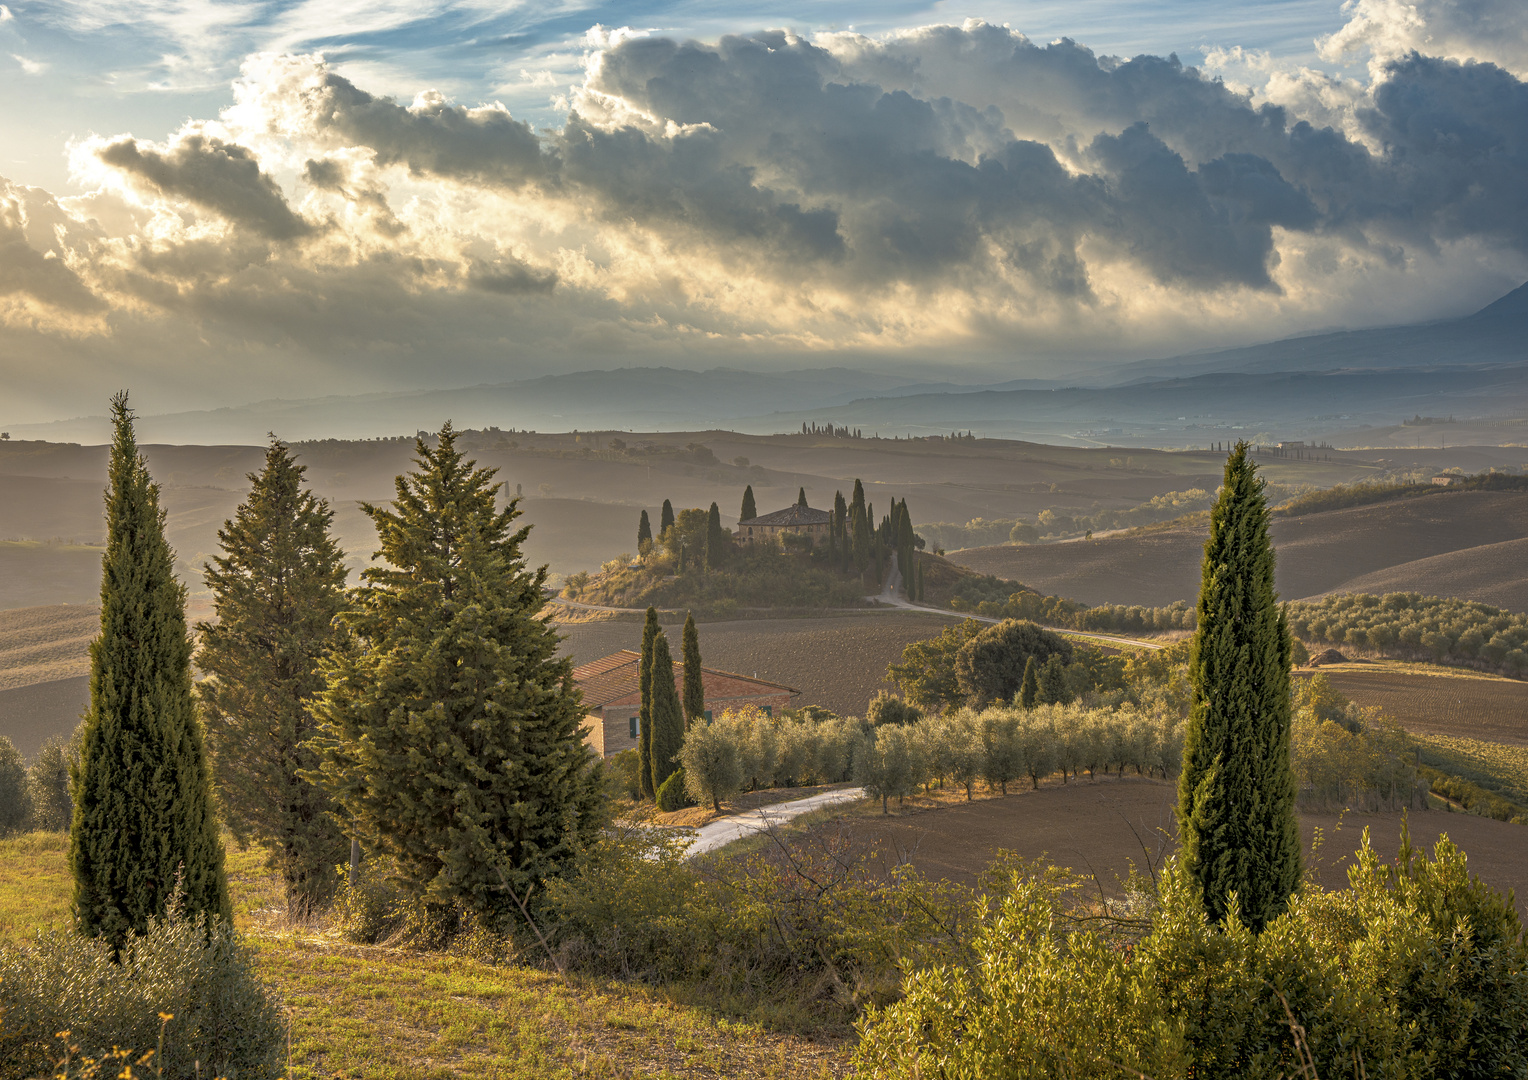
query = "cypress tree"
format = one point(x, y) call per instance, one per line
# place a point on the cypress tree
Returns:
point(644, 534)
point(694, 685)
point(1053, 689)
point(666, 518)
point(1029, 690)
point(750, 509)
point(668, 719)
point(801, 497)
point(276, 589)
point(452, 733)
point(650, 632)
point(143, 811)
point(1236, 794)
point(716, 540)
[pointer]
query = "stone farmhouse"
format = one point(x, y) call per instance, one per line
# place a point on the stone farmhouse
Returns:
point(793, 519)
point(613, 699)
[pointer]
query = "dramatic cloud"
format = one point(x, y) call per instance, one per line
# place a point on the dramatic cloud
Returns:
point(959, 193)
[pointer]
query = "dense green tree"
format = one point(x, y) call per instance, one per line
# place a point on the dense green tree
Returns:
point(926, 672)
point(644, 534)
point(48, 782)
point(15, 791)
point(1054, 689)
point(667, 716)
point(1029, 689)
point(716, 539)
point(666, 518)
point(650, 632)
point(144, 818)
point(275, 589)
point(1236, 793)
point(990, 666)
point(452, 731)
point(801, 497)
point(750, 508)
point(694, 684)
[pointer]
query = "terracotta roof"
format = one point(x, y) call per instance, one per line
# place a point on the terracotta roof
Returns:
point(792, 515)
point(618, 675)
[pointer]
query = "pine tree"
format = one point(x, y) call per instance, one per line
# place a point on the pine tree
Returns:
point(1029, 691)
point(650, 632)
point(644, 534)
point(276, 589)
point(801, 497)
point(694, 684)
point(452, 731)
point(716, 540)
point(143, 813)
point(1236, 793)
point(666, 518)
point(750, 509)
point(667, 718)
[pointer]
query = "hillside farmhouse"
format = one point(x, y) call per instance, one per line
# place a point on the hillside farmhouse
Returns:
point(613, 699)
point(793, 519)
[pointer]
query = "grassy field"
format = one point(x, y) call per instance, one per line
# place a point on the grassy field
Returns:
point(373, 1012)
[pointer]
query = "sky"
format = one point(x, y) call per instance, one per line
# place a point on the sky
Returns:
point(218, 201)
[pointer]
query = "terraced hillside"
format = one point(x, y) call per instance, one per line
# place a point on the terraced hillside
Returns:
point(1467, 544)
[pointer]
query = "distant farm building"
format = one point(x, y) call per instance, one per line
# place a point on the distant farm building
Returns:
point(1447, 481)
point(1292, 444)
point(613, 698)
point(793, 519)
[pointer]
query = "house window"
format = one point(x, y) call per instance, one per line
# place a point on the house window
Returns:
point(708, 716)
point(633, 722)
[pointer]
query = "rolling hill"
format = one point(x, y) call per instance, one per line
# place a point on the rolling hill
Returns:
point(1465, 544)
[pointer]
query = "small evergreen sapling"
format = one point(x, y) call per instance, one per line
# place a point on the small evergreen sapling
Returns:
point(144, 820)
point(667, 719)
point(650, 632)
point(694, 682)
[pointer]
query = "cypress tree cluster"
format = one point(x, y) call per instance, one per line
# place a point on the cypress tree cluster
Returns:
point(750, 508)
point(276, 590)
point(694, 684)
point(1236, 794)
point(667, 717)
point(650, 632)
point(143, 812)
point(452, 732)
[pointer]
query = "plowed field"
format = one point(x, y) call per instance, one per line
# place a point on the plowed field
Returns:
point(1494, 710)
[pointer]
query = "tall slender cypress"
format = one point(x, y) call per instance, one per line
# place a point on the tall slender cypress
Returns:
point(801, 497)
point(143, 809)
point(667, 717)
point(276, 589)
point(716, 540)
point(1236, 794)
point(1029, 689)
point(650, 632)
point(666, 518)
point(750, 508)
point(644, 534)
point(694, 684)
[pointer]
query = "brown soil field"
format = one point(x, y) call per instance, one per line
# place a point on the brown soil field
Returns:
point(41, 644)
point(30, 714)
point(1318, 554)
point(1465, 706)
point(836, 661)
point(1098, 830)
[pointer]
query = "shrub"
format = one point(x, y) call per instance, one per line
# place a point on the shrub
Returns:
point(671, 793)
point(623, 773)
point(371, 906)
point(887, 708)
point(48, 784)
point(223, 1022)
point(15, 792)
point(1416, 969)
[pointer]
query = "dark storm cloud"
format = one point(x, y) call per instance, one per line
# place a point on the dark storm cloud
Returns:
point(222, 177)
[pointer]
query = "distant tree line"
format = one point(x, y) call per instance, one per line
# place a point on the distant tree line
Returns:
point(1411, 626)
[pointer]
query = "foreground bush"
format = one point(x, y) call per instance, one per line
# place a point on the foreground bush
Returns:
point(1415, 970)
point(196, 971)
